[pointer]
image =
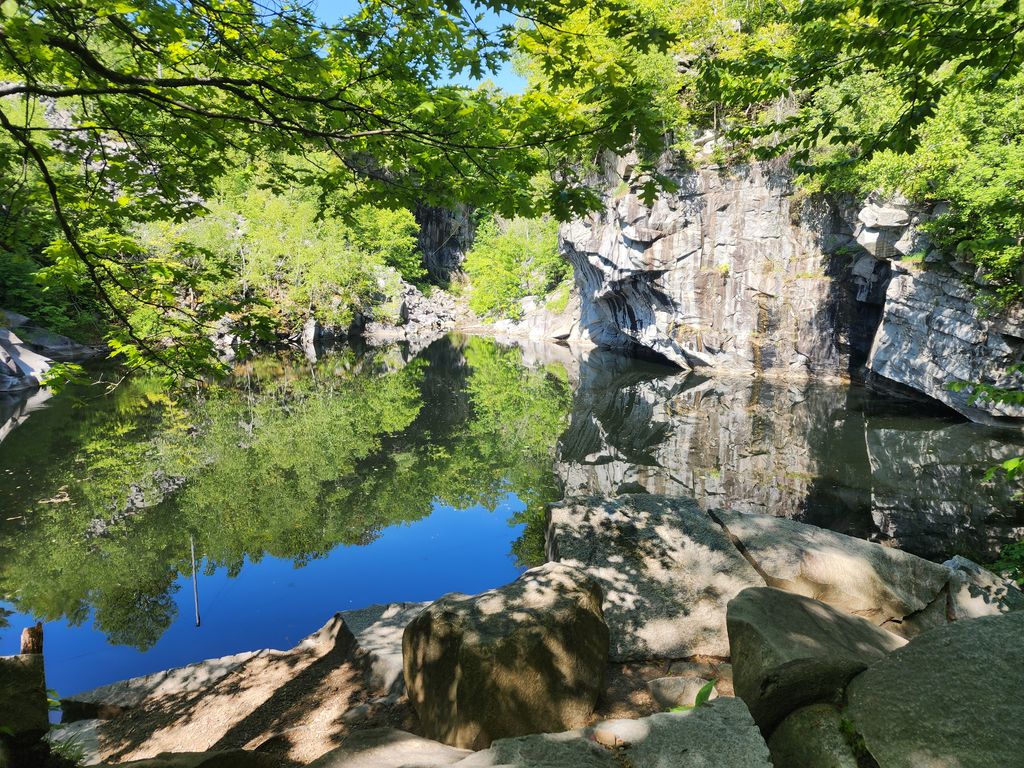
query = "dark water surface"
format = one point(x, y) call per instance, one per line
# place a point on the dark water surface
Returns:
point(390, 476)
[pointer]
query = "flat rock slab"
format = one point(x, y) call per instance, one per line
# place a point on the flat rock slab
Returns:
point(667, 571)
point(720, 734)
point(789, 650)
point(389, 748)
point(110, 700)
point(951, 697)
point(301, 693)
point(856, 576)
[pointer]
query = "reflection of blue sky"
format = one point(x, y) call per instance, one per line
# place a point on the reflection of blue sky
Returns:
point(331, 11)
point(273, 604)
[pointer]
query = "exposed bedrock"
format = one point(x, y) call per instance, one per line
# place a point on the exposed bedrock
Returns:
point(730, 272)
point(734, 271)
point(836, 457)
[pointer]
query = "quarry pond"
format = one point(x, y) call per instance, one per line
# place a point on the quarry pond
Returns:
point(150, 529)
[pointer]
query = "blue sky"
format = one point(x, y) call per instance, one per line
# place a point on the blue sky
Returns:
point(332, 10)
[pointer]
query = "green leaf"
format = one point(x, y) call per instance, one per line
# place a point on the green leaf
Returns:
point(9, 8)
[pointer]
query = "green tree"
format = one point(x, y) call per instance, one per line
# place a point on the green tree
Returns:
point(119, 114)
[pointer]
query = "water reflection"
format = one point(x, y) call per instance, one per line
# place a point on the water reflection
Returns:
point(834, 456)
point(287, 462)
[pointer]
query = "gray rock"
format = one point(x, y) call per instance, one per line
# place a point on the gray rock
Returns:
point(389, 748)
point(111, 700)
point(812, 737)
point(23, 704)
point(933, 334)
point(856, 576)
point(666, 570)
point(716, 735)
point(378, 630)
point(671, 692)
point(545, 750)
point(54, 345)
point(975, 592)
point(524, 658)
point(789, 651)
point(729, 271)
point(951, 697)
point(720, 733)
point(20, 367)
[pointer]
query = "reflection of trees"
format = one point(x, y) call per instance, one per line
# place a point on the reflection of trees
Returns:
point(281, 462)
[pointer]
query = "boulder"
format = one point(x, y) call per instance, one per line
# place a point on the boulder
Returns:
point(951, 697)
point(671, 692)
point(24, 708)
point(524, 658)
point(789, 651)
point(389, 748)
point(975, 592)
point(720, 733)
point(20, 367)
point(232, 758)
point(666, 569)
point(856, 576)
point(812, 737)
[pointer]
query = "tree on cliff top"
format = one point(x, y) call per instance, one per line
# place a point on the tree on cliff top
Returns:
point(115, 113)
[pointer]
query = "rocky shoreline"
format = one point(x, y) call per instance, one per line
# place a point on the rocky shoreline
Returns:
point(825, 650)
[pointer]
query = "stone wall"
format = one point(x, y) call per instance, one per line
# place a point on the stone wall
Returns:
point(735, 272)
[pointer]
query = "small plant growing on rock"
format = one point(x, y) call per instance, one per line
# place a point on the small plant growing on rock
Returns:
point(702, 697)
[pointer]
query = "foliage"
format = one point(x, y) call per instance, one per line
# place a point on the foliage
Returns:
point(1011, 562)
point(970, 158)
point(510, 260)
point(914, 52)
point(115, 115)
point(286, 259)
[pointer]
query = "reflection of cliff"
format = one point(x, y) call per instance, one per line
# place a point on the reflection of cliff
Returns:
point(793, 449)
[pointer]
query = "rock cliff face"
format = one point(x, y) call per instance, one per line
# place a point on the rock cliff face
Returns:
point(444, 238)
point(736, 272)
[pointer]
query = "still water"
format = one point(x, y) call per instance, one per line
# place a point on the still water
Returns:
point(388, 476)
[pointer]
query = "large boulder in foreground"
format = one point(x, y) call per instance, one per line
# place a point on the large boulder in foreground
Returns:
point(524, 658)
point(789, 651)
point(667, 571)
point(881, 584)
point(951, 697)
point(719, 734)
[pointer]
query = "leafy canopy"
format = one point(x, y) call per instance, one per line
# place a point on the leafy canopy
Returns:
point(115, 114)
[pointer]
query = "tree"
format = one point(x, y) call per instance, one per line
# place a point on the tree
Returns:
point(912, 52)
point(115, 113)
